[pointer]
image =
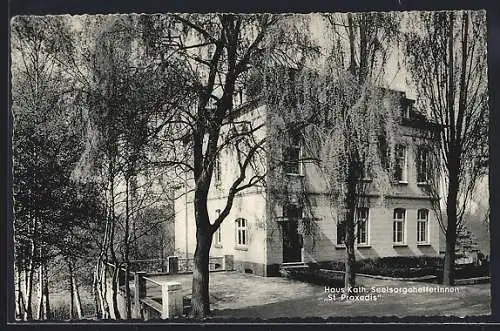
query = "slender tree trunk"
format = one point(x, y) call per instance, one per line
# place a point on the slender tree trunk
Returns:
point(17, 300)
point(126, 249)
point(100, 300)
point(29, 305)
point(75, 294)
point(451, 229)
point(114, 287)
point(31, 275)
point(26, 291)
point(78, 302)
point(350, 274)
point(133, 187)
point(112, 219)
point(98, 303)
point(40, 293)
point(46, 292)
point(103, 291)
point(71, 291)
point(20, 296)
point(453, 166)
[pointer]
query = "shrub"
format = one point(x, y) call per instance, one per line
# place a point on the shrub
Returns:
point(393, 266)
point(468, 271)
point(315, 276)
point(407, 267)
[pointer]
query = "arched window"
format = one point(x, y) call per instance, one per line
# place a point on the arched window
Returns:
point(241, 232)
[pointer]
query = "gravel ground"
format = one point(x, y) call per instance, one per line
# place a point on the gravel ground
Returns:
point(238, 295)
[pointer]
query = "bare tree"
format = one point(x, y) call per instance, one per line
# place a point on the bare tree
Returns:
point(217, 50)
point(352, 134)
point(446, 53)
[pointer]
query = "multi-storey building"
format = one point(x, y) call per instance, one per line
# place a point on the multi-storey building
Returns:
point(263, 231)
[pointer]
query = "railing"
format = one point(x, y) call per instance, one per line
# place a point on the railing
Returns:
point(149, 265)
point(153, 298)
point(186, 264)
point(159, 299)
point(170, 265)
point(215, 263)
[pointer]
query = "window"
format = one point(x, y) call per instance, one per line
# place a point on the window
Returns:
point(218, 233)
point(398, 226)
point(217, 170)
point(406, 107)
point(241, 232)
point(340, 233)
point(422, 215)
point(400, 164)
point(422, 165)
point(291, 157)
point(362, 226)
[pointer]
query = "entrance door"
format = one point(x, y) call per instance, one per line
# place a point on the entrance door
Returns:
point(292, 242)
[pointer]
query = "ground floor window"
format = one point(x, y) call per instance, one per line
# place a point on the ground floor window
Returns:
point(398, 226)
point(241, 232)
point(340, 233)
point(218, 232)
point(422, 216)
point(362, 226)
point(218, 237)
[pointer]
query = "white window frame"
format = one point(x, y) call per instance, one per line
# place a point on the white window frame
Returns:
point(218, 233)
point(241, 232)
point(425, 222)
point(404, 167)
point(366, 222)
point(399, 220)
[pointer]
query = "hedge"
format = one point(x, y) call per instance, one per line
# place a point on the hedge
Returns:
point(406, 267)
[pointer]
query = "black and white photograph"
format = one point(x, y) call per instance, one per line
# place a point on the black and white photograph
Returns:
point(220, 166)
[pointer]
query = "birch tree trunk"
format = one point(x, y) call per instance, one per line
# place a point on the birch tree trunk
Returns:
point(71, 291)
point(46, 292)
point(78, 302)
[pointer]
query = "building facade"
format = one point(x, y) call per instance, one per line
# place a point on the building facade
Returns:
point(263, 232)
